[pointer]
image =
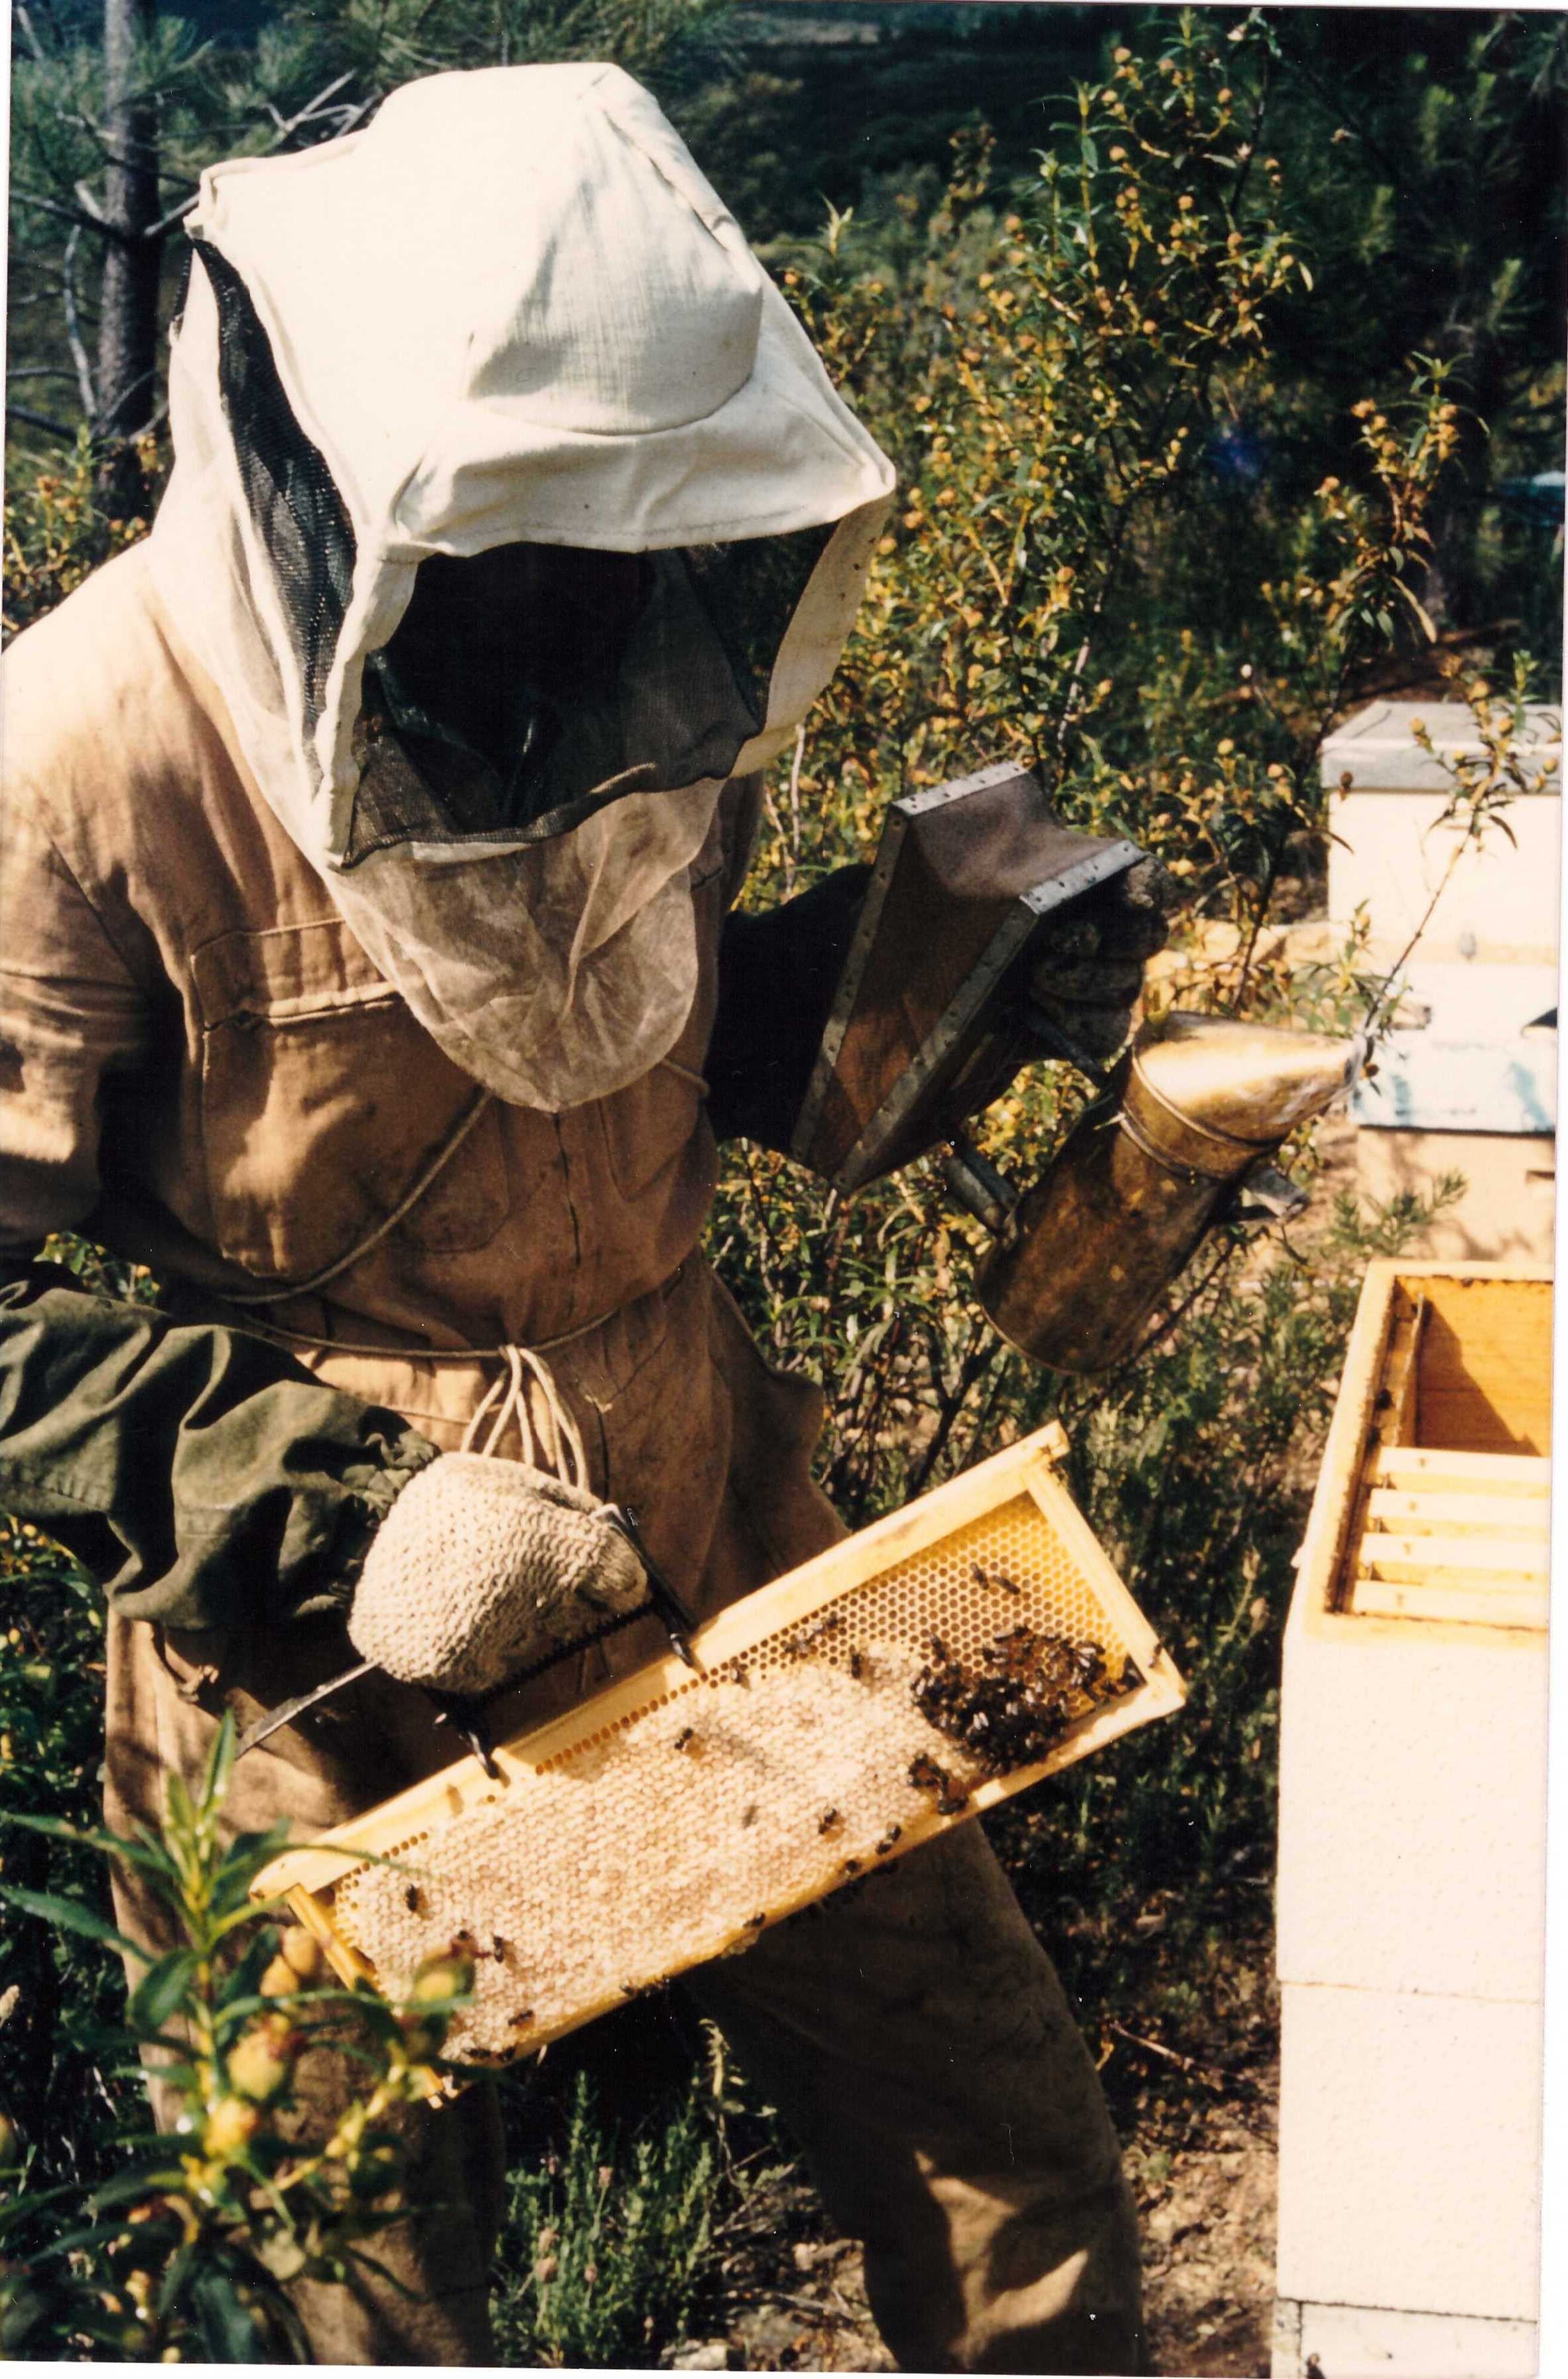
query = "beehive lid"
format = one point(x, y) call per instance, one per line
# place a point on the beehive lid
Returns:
point(1377, 751)
point(897, 1685)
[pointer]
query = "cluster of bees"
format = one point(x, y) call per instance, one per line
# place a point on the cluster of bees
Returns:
point(1016, 1700)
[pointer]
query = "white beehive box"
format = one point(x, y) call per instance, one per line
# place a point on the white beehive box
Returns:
point(1411, 1843)
point(1470, 1087)
point(1390, 849)
point(1467, 1084)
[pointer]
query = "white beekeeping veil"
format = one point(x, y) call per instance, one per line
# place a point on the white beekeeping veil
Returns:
point(510, 314)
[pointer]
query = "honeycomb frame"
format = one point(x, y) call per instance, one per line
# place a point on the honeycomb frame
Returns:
point(806, 1685)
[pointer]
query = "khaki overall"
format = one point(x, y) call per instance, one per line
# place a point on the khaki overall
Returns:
point(270, 1117)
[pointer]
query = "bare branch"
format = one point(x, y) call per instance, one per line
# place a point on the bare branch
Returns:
point(312, 106)
point(167, 223)
point(88, 205)
point(73, 326)
point(88, 222)
point(39, 421)
point(25, 26)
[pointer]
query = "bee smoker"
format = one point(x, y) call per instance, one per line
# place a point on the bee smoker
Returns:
point(1178, 1142)
point(929, 1018)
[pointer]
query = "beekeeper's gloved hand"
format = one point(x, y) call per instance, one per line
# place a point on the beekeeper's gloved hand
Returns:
point(482, 1567)
point(1088, 967)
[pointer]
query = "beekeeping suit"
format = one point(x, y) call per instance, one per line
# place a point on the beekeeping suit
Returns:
point(369, 834)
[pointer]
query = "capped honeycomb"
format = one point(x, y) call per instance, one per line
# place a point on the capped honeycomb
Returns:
point(686, 1812)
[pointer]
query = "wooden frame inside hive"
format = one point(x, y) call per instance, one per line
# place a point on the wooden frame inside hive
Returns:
point(1433, 1500)
point(669, 1818)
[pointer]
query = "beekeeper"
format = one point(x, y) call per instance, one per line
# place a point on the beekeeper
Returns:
point(368, 838)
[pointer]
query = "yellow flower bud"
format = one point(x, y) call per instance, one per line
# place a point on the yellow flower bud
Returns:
point(303, 1952)
point(443, 1975)
point(261, 2062)
point(230, 2127)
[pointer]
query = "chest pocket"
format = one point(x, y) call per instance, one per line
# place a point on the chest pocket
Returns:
point(321, 1099)
point(649, 1125)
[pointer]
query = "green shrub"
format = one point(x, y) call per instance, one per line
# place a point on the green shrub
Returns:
point(183, 2253)
point(605, 2244)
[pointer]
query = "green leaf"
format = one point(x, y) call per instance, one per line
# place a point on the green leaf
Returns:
point(71, 1917)
point(224, 2325)
point(129, 2186)
point(90, 1838)
point(220, 1763)
point(160, 1990)
point(177, 1802)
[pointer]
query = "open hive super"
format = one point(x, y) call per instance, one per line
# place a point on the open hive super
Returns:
point(1433, 1502)
point(905, 1679)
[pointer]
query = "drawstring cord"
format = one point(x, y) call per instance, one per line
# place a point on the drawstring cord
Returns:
point(555, 1445)
point(556, 1441)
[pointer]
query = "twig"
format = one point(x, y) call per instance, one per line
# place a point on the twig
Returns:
point(39, 421)
point(167, 223)
point(73, 326)
point(795, 789)
point(813, 2305)
point(78, 215)
point(951, 1403)
point(1389, 981)
point(1172, 2055)
point(24, 22)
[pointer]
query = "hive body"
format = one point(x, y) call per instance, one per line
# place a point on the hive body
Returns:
point(1411, 1889)
point(891, 1688)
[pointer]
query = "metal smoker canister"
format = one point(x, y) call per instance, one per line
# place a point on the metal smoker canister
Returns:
point(1086, 1255)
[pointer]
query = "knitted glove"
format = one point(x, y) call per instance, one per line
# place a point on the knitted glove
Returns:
point(1087, 967)
point(483, 1566)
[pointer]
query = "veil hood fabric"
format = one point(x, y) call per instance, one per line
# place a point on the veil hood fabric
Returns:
point(510, 311)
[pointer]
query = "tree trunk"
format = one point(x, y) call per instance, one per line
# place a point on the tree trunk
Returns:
point(128, 334)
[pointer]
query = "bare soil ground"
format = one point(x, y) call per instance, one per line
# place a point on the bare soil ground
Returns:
point(1200, 2128)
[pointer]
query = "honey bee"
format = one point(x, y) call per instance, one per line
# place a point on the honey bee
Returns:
point(928, 1777)
point(829, 1625)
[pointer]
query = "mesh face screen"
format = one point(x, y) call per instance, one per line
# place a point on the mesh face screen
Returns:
point(528, 687)
point(801, 1762)
point(531, 711)
point(297, 513)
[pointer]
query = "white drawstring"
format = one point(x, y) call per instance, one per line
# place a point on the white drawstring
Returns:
point(554, 1443)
